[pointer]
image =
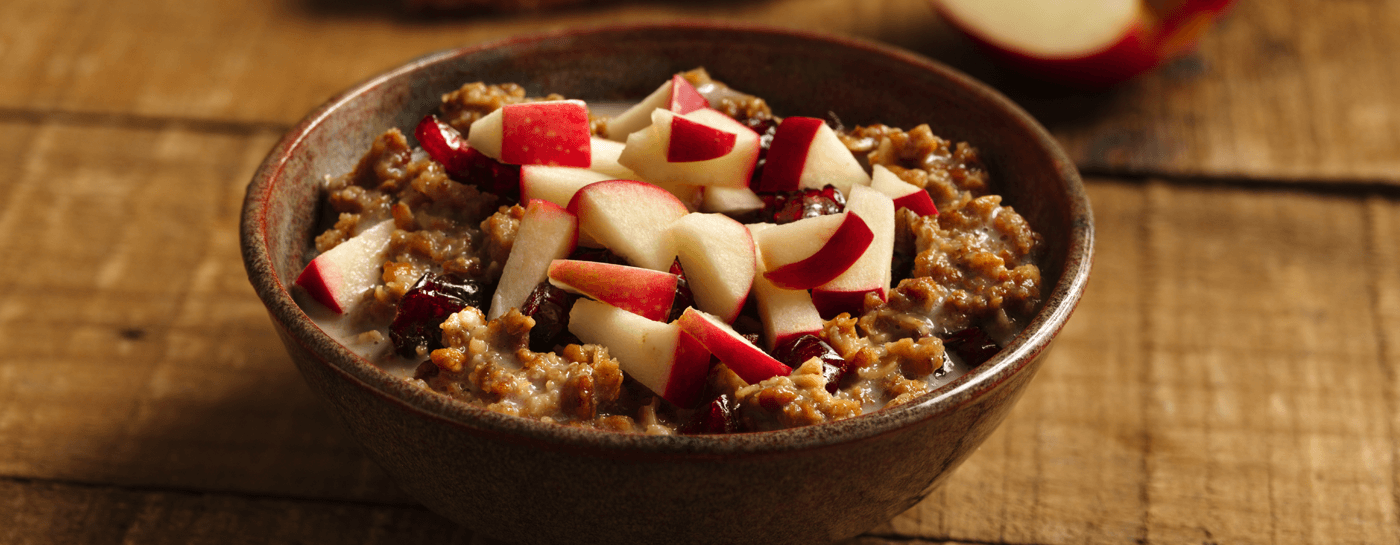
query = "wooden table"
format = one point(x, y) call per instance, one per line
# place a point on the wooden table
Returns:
point(1232, 376)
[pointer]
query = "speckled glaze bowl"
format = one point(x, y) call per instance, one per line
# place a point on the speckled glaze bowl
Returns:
point(524, 481)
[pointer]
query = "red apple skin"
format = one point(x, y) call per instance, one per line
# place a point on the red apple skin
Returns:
point(831, 304)
point(684, 97)
point(691, 141)
point(782, 170)
point(840, 251)
point(1140, 49)
point(690, 368)
point(315, 279)
point(643, 292)
point(748, 361)
point(918, 202)
point(546, 133)
point(344, 272)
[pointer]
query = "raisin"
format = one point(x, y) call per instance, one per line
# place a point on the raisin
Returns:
point(797, 351)
point(549, 306)
point(418, 320)
point(972, 345)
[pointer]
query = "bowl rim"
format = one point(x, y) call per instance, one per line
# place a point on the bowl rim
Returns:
point(1059, 304)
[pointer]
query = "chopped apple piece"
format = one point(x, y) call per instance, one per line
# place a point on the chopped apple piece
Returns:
point(717, 254)
point(905, 194)
point(870, 273)
point(810, 252)
point(648, 151)
point(342, 275)
point(555, 184)
point(807, 154)
point(659, 355)
point(630, 218)
point(748, 361)
point(552, 133)
point(730, 200)
point(547, 232)
point(643, 292)
point(785, 314)
point(605, 154)
point(676, 95)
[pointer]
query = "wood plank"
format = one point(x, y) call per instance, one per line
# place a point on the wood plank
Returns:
point(41, 513)
point(1221, 382)
point(135, 351)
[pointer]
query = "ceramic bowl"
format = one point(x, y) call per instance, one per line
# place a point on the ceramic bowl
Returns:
point(519, 480)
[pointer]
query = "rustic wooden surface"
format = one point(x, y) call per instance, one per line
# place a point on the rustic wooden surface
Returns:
point(1232, 376)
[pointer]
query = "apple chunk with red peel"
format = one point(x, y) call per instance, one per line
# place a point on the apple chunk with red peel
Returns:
point(342, 275)
point(748, 361)
point(649, 152)
point(555, 184)
point(659, 355)
point(643, 292)
point(1085, 43)
point(547, 232)
point(807, 154)
point(554, 132)
point(812, 251)
point(785, 314)
point(870, 273)
point(605, 154)
point(905, 194)
point(717, 254)
point(676, 95)
point(631, 218)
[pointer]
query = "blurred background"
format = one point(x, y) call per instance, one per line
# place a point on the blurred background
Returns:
point(1232, 375)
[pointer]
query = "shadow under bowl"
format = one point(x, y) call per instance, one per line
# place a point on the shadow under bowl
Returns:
point(520, 480)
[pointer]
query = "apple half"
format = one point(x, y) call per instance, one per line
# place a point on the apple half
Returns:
point(660, 355)
point(1084, 43)
point(342, 275)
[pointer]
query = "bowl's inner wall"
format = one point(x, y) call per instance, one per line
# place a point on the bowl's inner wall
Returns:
point(808, 79)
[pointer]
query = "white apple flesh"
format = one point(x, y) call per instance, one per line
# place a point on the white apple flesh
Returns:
point(555, 184)
point(342, 275)
point(717, 254)
point(631, 218)
point(807, 154)
point(661, 356)
point(643, 292)
point(547, 232)
point(554, 132)
point(730, 200)
point(905, 194)
point(605, 154)
point(748, 361)
point(1085, 43)
point(810, 252)
point(871, 272)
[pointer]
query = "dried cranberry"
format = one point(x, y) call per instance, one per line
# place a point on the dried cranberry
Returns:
point(972, 345)
point(797, 351)
point(445, 145)
point(789, 206)
point(549, 306)
point(684, 298)
point(717, 417)
point(418, 319)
